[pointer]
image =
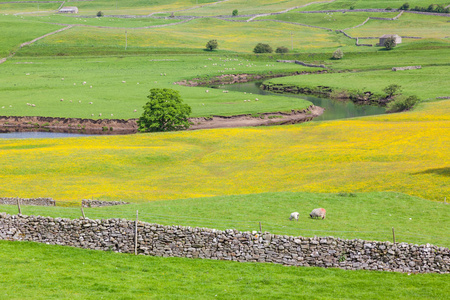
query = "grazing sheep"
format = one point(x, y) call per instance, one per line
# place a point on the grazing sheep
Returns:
point(135, 110)
point(62, 99)
point(294, 215)
point(207, 91)
point(318, 213)
point(123, 81)
point(100, 114)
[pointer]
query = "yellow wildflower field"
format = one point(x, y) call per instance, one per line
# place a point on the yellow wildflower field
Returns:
point(407, 152)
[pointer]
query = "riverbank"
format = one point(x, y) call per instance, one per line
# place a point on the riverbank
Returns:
point(117, 126)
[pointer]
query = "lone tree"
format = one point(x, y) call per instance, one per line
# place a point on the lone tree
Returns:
point(235, 13)
point(165, 111)
point(262, 48)
point(392, 90)
point(338, 54)
point(390, 43)
point(212, 45)
point(100, 14)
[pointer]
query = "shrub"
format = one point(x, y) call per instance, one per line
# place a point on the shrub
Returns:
point(388, 8)
point(164, 112)
point(405, 6)
point(212, 45)
point(352, 7)
point(392, 89)
point(262, 48)
point(338, 54)
point(282, 49)
point(402, 103)
point(235, 13)
point(390, 43)
point(100, 14)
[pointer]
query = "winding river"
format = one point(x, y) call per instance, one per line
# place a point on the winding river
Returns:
point(334, 110)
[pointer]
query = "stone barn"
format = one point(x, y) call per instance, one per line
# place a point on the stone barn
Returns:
point(69, 10)
point(398, 39)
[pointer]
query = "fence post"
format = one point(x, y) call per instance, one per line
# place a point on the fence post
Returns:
point(18, 205)
point(82, 212)
point(260, 228)
point(136, 233)
point(393, 234)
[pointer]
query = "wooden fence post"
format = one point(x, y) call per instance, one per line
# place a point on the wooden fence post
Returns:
point(136, 233)
point(260, 228)
point(82, 212)
point(18, 205)
point(393, 234)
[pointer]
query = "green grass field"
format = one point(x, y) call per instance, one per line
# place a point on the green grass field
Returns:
point(370, 173)
point(36, 271)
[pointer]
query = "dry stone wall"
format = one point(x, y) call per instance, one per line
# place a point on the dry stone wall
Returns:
point(99, 203)
point(178, 241)
point(28, 201)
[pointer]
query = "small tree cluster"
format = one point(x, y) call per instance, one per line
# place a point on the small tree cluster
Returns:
point(165, 111)
point(212, 45)
point(392, 90)
point(405, 6)
point(338, 54)
point(282, 49)
point(390, 43)
point(402, 103)
point(235, 13)
point(262, 48)
point(432, 8)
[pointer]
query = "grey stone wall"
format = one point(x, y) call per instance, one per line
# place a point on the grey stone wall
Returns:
point(406, 68)
point(99, 203)
point(28, 201)
point(301, 63)
point(178, 241)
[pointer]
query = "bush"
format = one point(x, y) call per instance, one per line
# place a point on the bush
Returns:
point(352, 7)
point(402, 103)
point(282, 49)
point(164, 112)
point(405, 6)
point(388, 8)
point(100, 14)
point(390, 43)
point(338, 54)
point(262, 48)
point(392, 90)
point(235, 13)
point(212, 45)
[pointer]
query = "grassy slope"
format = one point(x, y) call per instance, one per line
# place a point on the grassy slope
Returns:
point(53, 272)
point(45, 88)
point(362, 4)
point(367, 216)
point(405, 152)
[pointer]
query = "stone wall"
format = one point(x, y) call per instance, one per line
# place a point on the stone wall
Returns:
point(99, 203)
point(406, 68)
point(302, 63)
point(178, 241)
point(28, 201)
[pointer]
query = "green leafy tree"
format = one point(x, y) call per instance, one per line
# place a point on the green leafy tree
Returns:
point(282, 49)
point(338, 54)
point(262, 48)
point(212, 45)
point(402, 103)
point(235, 13)
point(390, 43)
point(165, 111)
point(100, 14)
point(405, 6)
point(392, 90)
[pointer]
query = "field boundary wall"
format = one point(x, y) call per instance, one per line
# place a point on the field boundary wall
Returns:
point(28, 201)
point(178, 241)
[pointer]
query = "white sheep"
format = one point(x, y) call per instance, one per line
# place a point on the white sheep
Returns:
point(135, 110)
point(207, 91)
point(318, 213)
point(294, 215)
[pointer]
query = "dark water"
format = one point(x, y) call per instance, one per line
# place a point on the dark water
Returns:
point(334, 109)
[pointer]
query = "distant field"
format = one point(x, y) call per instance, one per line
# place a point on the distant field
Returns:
point(26, 8)
point(362, 4)
point(369, 216)
point(31, 269)
point(330, 20)
point(413, 82)
point(40, 81)
point(407, 25)
point(16, 30)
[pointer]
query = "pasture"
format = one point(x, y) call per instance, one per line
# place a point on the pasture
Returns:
point(370, 173)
